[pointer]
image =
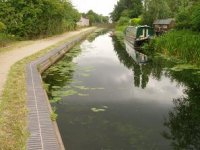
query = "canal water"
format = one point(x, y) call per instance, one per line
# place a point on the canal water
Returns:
point(110, 97)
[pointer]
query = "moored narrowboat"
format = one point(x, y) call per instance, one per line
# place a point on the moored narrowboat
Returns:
point(137, 35)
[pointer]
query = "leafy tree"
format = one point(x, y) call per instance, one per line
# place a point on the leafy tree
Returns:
point(96, 18)
point(123, 21)
point(2, 26)
point(196, 18)
point(136, 21)
point(155, 9)
point(127, 8)
point(188, 16)
point(183, 20)
point(39, 17)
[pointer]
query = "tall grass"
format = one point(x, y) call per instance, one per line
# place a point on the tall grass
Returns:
point(182, 44)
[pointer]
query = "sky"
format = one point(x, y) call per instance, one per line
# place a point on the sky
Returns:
point(103, 7)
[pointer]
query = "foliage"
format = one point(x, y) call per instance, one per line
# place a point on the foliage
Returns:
point(95, 18)
point(196, 18)
point(155, 9)
point(122, 24)
point(127, 8)
point(2, 26)
point(182, 44)
point(35, 18)
point(123, 21)
point(183, 20)
point(136, 21)
point(189, 17)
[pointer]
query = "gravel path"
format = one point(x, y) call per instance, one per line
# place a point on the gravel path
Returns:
point(7, 59)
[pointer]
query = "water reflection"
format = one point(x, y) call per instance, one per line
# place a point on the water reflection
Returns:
point(138, 57)
point(133, 94)
point(137, 62)
point(183, 121)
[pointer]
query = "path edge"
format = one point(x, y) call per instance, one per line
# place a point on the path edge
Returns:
point(44, 133)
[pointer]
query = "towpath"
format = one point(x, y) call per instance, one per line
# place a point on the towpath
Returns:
point(8, 58)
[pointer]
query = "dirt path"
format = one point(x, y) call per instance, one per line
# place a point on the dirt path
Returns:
point(7, 59)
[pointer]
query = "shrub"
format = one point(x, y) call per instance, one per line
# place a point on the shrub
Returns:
point(196, 18)
point(183, 20)
point(2, 26)
point(123, 21)
point(136, 21)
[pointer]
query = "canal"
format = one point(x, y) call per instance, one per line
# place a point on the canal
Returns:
point(109, 97)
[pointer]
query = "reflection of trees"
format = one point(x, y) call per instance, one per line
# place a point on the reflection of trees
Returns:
point(127, 61)
point(184, 119)
point(141, 72)
point(93, 36)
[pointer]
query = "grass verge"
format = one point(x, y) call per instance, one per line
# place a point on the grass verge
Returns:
point(13, 110)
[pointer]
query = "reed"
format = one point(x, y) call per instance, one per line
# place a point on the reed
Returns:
point(182, 44)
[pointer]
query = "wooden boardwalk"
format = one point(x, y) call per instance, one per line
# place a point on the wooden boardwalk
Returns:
point(44, 134)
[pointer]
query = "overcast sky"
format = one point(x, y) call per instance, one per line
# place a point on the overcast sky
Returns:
point(103, 7)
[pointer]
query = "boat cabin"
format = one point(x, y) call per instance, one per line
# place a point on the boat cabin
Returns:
point(138, 34)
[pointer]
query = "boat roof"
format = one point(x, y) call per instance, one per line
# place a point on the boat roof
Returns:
point(141, 26)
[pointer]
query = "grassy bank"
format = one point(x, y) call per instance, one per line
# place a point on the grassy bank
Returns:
point(13, 111)
point(179, 44)
point(184, 45)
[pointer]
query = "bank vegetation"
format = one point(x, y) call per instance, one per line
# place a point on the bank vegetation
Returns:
point(182, 42)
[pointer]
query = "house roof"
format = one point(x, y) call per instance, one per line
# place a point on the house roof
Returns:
point(164, 21)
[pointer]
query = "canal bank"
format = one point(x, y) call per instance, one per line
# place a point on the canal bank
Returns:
point(13, 108)
point(44, 133)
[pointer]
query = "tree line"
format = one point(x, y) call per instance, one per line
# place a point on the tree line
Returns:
point(186, 12)
point(35, 18)
point(95, 18)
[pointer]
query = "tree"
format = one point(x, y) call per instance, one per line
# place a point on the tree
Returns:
point(127, 8)
point(155, 9)
point(136, 21)
point(96, 18)
point(196, 18)
point(2, 27)
point(39, 17)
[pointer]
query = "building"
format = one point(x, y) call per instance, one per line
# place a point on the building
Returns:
point(83, 22)
point(163, 25)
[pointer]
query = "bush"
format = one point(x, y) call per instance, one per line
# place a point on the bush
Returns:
point(136, 21)
point(2, 26)
point(32, 19)
point(196, 18)
point(183, 20)
point(123, 21)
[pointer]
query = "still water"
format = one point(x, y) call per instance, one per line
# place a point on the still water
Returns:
point(109, 97)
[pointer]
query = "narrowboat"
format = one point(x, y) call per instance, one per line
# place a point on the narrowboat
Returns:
point(137, 35)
